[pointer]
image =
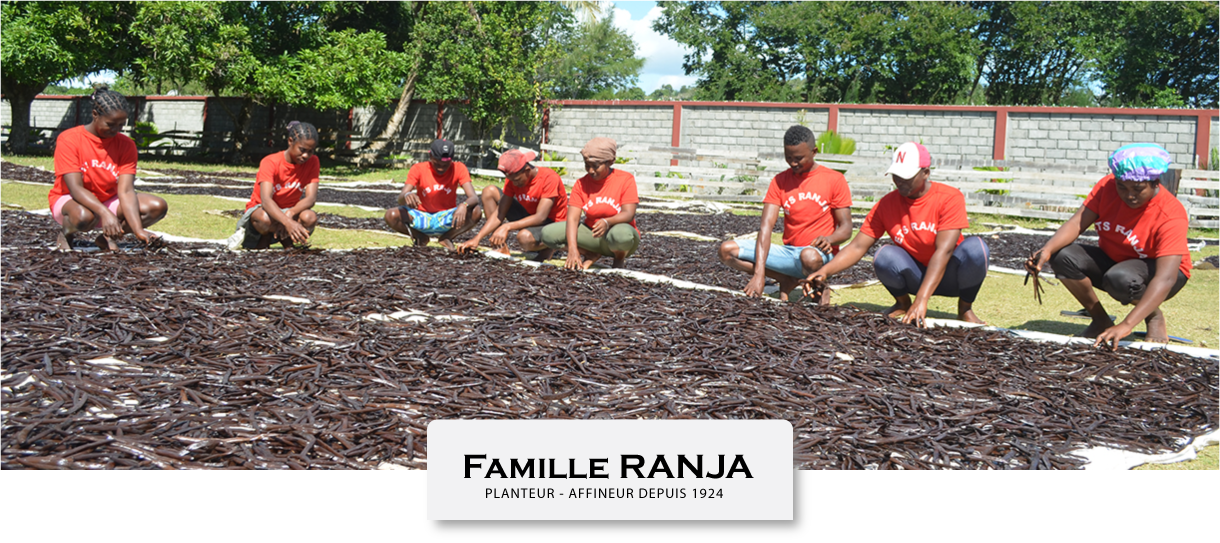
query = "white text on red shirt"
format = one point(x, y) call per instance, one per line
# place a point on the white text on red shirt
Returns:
point(802, 196)
point(599, 200)
point(101, 164)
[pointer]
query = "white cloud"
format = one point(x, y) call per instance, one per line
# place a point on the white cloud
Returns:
point(663, 56)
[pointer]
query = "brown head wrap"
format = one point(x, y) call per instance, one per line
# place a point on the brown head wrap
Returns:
point(600, 150)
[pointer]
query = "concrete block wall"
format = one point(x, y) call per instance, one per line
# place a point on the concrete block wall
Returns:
point(1088, 139)
point(56, 114)
point(420, 123)
point(170, 115)
point(575, 125)
point(946, 134)
point(733, 128)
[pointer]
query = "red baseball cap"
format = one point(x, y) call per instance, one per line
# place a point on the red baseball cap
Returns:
point(513, 160)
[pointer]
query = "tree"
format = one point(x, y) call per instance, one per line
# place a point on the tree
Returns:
point(733, 58)
point(914, 52)
point(1037, 53)
point(45, 42)
point(598, 57)
point(293, 58)
point(419, 12)
point(1167, 54)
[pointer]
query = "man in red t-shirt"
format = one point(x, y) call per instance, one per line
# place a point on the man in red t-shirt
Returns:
point(1141, 257)
point(817, 218)
point(929, 256)
point(533, 197)
point(428, 203)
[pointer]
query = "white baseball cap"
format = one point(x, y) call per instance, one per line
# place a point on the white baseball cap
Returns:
point(909, 158)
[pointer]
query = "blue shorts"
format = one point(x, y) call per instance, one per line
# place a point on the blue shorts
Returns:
point(428, 223)
point(785, 259)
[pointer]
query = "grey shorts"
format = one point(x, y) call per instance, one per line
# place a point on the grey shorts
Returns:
point(252, 237)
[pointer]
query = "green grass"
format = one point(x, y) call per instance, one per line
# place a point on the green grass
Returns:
point(1209, 458)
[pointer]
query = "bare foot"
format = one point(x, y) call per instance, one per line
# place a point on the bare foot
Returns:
point(1095, 328)
point(421, 240)
point(544, 255)
point(502, 250)
point(62, 242)
point(969, 316)
point(900, 307)
point(588, 258)
point(785, 286)
point(965, 312)
point(1158, 331)
point(105, 244)
point(446, 244)
point(825, 298)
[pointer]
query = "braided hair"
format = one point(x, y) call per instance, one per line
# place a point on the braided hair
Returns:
point(299, 131)
point(106, 101)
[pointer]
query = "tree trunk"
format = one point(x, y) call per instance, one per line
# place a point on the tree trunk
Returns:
point(20, 98)
point(400, 112)
point(240, 125)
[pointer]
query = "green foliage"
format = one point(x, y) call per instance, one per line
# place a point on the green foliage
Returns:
point(145, 133)
point(832, 143)
point(598, 58)
point(487, 54)
point(667, 92)
point(1035, 53)
point(349, 70)
point(998, 192)
point(1163, 46)
point(909, 52)
point(45, 42)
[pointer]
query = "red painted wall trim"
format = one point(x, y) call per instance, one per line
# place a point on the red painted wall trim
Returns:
point(676, 139)
point(204, 125)
point(991, 109)
point(1000, 141)
point(1203, 136)
point(832, 119)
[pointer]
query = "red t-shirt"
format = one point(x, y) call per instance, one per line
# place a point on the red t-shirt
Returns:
point(606, 198)
point(1155, 230)
point(289, 179)
point(437, 194)
point(546, 184)
point(100, 162)
point(913, 224)
point(807, 201)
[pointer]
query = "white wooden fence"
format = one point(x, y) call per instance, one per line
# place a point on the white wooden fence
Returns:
point(1026, 189)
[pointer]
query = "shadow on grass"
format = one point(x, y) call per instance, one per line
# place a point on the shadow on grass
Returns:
point(878, 308)
point(1053, 327)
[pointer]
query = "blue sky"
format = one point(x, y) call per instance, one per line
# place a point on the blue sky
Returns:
point(663, 56)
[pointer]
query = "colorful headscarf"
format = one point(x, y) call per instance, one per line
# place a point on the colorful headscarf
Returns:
point(1139, 162)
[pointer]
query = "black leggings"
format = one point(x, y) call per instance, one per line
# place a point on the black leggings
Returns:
point(1124, 281)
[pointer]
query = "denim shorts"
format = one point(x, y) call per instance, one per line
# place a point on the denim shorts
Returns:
point(785, 259)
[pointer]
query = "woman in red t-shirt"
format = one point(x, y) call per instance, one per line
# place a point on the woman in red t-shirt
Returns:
point(95, 174)
point(285, 189)
point(1141, 257)
point(929, 256)
point(607, 198)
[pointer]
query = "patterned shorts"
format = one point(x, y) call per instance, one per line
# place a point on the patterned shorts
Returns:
point(429, 223)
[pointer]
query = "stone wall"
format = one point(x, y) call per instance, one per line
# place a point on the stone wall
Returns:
point(947, 134)
point(1088, 140)
point(730, 128)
